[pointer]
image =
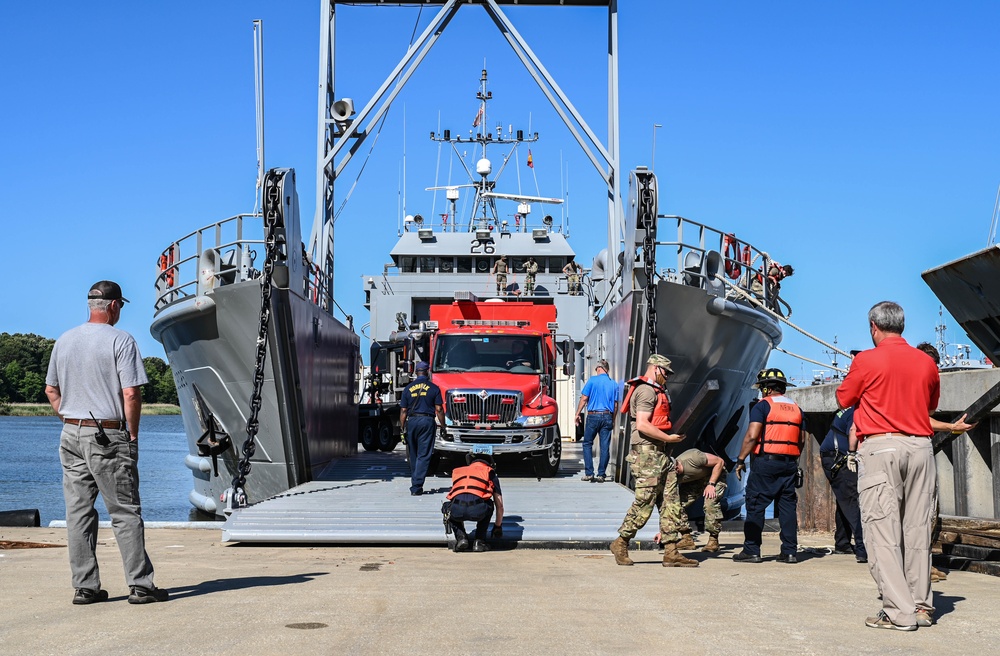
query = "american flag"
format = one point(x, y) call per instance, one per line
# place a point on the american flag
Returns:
point(479, 117)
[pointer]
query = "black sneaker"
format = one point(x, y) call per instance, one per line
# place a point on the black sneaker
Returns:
point(479, 546)
point(86, 596)
point(599, 479)
point(744, 557)
point(141, 595)
point(844, 552)
point(786, 558)
point(416, 493)
point(862, 559)
point(462, 545)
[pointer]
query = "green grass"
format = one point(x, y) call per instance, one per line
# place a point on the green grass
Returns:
point(45, 410)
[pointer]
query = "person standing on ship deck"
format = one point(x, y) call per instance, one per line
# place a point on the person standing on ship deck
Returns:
point(500, 271)
point(94, 384)
point(895, 387)
point(600, 398)
point(421, 401)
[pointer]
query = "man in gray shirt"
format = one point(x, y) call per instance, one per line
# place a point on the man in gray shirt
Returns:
point(94, 385)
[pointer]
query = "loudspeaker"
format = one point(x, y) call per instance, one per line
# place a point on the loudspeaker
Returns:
point(342, 109)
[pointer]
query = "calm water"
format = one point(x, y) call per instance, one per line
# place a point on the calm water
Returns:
point(31, 476)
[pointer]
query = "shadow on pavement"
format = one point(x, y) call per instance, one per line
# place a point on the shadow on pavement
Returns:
point(242, 583)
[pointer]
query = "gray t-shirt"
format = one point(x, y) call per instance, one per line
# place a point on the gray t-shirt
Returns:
point(91, 365)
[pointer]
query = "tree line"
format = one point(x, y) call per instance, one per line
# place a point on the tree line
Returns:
point(24, 361)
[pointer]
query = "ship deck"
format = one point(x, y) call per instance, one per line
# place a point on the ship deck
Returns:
point(366, 500)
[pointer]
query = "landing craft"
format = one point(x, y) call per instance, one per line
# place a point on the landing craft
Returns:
point(269, 378)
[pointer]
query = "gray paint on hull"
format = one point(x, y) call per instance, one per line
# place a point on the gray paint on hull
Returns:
point(313, 365)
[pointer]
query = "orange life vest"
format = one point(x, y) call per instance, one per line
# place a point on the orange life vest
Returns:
point(472, 479)
point(661, 411)
point(782, 428)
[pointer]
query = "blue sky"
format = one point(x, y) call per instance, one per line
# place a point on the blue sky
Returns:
point(857, 141)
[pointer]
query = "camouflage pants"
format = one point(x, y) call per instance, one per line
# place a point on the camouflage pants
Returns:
point(690, 493)
point(655, 485)
point(501, 283)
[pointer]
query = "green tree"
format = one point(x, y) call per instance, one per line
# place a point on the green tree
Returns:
point(32, 388)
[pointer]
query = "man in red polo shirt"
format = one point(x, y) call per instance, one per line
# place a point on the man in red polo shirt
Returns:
point(895, 388)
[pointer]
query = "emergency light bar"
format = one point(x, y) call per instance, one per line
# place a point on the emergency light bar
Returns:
point(488, 323)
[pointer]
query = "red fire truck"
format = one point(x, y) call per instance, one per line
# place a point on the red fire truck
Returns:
point(495, 362)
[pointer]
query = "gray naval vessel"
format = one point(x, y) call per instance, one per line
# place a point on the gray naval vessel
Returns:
point(269, 379)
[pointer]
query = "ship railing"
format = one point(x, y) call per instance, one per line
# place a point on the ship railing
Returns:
point(718, 262)
point(223, 253)
point(513, 225)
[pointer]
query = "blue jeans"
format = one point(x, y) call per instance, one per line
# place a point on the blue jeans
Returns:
point(597, 423)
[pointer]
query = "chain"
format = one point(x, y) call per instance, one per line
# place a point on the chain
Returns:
point(647, 217)
point(272, 205)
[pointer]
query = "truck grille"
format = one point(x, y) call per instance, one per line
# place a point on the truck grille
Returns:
point(483, 406)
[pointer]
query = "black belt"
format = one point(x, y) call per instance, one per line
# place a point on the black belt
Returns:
point(420, 414)
point(113, 424)
point(598, 412)
point(775, 456)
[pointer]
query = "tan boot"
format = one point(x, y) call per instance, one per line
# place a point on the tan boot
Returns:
point(620, 549)
point(674, 558)
point(937, 575)
point(686, 542)
point(713, 544)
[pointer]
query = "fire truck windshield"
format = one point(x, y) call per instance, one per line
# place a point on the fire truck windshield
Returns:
point(517, 354)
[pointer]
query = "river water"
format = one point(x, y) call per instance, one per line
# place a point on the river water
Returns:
point(31, 476)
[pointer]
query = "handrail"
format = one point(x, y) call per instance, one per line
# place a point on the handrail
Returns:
point(222, 253)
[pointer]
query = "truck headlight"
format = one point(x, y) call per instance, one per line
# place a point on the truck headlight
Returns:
point(539, 420)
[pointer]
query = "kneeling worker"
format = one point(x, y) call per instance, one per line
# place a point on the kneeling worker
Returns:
point(475, 489)
point(701, 475)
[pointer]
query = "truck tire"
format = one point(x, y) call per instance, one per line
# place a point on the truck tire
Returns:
point(550, 458)
point(369, 437)
point(386, 438)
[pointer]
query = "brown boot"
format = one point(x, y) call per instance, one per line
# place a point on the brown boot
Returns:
point(713, 544)
point(674, 558)
point(686, 542)
point(620, 549)
point(937, 575)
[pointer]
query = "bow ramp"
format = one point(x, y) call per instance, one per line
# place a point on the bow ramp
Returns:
point(366, 500)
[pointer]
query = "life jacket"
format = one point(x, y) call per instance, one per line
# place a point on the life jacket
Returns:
point(661, 411)
point(782, 428)
point(775, 274)
point(472, 479)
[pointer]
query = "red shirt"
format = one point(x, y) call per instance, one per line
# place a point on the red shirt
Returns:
point(895, 388)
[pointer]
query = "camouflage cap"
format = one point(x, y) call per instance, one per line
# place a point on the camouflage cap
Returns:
point(660, 361)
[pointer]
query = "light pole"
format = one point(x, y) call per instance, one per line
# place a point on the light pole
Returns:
point(652, 165)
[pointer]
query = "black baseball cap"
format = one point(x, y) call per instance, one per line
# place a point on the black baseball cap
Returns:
point(106, 290)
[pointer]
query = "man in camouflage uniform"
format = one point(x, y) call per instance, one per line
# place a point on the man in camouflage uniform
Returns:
point(655, 475)
point(500, 271)
point(530, 269)
point(701, 475)
point(572, 271)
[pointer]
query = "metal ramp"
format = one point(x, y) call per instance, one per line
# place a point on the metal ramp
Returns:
point(366, 500)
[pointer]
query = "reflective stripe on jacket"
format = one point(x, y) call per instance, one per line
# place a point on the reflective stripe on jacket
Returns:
point(782, 433)
point(661, 411)
point(472, 479)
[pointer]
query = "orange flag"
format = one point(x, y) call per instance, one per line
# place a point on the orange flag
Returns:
point(531, 162)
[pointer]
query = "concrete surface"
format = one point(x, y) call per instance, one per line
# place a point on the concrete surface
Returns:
point(247, 600)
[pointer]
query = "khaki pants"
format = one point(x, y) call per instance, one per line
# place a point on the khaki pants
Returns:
point(897, 490)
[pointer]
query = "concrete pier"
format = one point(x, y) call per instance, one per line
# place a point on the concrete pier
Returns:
point(967, 482)
point(253, 600)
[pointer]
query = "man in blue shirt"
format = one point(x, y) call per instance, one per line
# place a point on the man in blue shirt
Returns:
point(600, 398)
point(421, 401)
point(833, 454)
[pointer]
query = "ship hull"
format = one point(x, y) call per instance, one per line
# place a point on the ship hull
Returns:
point(716, 348)
point(308, 413)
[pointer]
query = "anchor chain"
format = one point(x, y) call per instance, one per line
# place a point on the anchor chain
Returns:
point(272, 207)
point(647, 216)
